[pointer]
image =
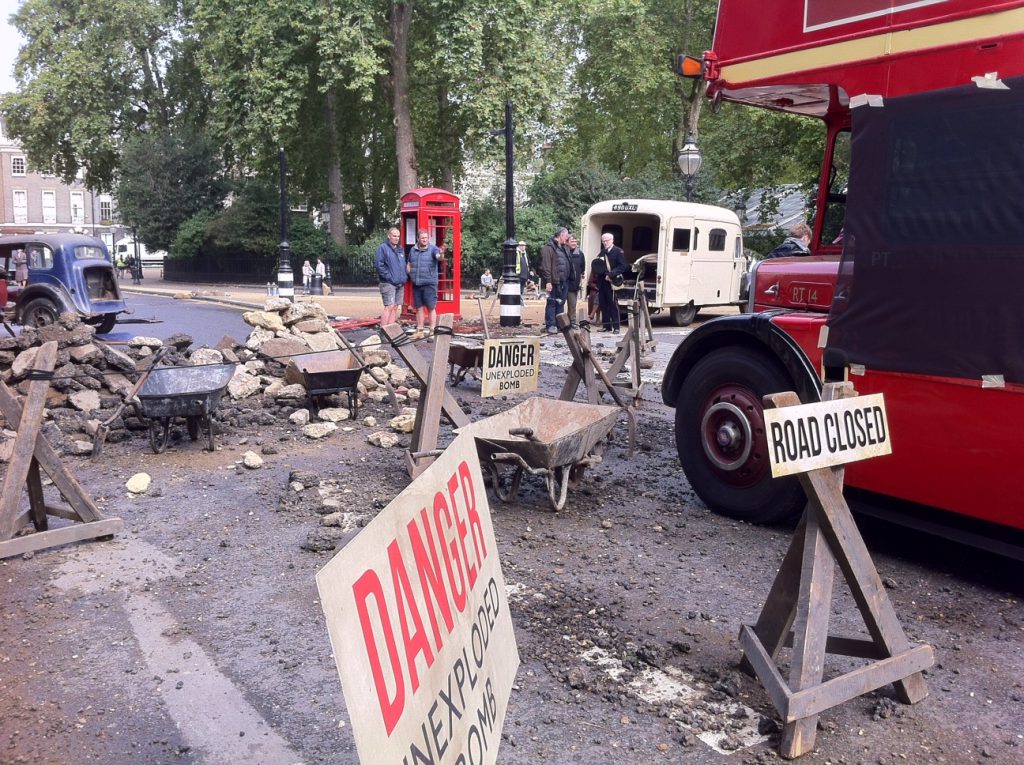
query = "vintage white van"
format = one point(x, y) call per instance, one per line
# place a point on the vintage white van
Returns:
point(686, 256)
point(126, 248)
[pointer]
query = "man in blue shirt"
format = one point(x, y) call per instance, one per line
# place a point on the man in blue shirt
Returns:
point(424, 260)
point(390, 264)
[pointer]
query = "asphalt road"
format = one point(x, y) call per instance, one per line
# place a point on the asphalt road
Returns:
point(157, 316)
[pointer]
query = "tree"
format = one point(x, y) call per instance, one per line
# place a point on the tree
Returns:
point(166, 177)
point(89, 74)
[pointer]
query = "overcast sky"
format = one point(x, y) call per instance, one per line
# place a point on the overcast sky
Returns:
point(10, 41)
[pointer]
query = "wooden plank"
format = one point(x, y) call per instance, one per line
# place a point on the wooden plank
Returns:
point(844, 645)
point(51, 463)
point(36, 502)
point(862, 680)
point(765, 669)
point(811, 631)
point(580, 370)
point(29, 427)
point(418, 366)
point(589, 380)
point(43, 540)
point(428, 412)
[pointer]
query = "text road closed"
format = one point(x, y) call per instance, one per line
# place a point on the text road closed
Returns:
point(419, 622)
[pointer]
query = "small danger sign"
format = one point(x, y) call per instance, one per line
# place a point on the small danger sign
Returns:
point(812, 436)
point(510, 366)
point(418, 615)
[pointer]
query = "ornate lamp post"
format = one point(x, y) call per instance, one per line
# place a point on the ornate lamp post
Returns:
point(689, 163)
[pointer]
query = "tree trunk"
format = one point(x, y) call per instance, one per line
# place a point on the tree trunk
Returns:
point(336, 201)
point(405, 149)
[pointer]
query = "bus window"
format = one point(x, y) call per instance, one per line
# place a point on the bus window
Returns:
point(680, 240)
point(838, 180)
point(716, 240)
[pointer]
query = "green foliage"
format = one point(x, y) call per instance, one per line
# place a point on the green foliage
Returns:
point(167, 176)
point(188, 242)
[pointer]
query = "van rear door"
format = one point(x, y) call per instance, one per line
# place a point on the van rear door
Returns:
point(714, 279)
point(674, 266)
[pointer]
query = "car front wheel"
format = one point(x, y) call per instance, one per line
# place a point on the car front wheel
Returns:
point(39, 313)
point(720, 436)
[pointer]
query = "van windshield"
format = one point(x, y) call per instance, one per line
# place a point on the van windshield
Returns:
point(88, 252)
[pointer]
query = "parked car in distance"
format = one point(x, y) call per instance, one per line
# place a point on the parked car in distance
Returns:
point(125, 248)
point(66, 273)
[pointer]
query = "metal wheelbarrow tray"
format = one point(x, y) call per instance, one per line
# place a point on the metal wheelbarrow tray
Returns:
point(330, 372)
point(189, 392)
point(462, 359)
point(554, 439)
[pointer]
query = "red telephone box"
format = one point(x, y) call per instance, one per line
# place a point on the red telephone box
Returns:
point(437, 211)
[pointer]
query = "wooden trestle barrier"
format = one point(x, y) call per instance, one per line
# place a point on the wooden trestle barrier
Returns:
point(32, 452)
point(796, 613)
point(435, 398)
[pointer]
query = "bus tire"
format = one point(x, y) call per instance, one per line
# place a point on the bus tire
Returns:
point(720, 436)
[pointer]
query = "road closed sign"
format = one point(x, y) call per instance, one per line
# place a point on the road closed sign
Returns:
point(812, 436)
point(419, 622)
point(510, 366)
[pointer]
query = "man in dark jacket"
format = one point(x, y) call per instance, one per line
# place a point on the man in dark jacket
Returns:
point(577, 265)
point(797, 243)
point(554, 273)
point(389, 261)
point(423, 265)
point(609, 264)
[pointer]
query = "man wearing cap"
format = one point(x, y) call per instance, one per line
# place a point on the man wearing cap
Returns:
point(522, 268)
point(554, 272)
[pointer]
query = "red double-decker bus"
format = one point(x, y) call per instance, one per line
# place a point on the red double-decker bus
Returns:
point(917, 259)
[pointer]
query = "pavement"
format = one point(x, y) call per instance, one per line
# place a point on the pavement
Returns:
point(343, 303)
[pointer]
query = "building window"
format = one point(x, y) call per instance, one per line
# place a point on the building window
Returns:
point(20, 206)
point(106, 210)
point(77, 208)
point(17, 165)
point(49, 207)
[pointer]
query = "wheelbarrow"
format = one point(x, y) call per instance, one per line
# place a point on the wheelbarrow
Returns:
point(463, 359)
point(189, 392)
point(557, 440)
point(330, 372)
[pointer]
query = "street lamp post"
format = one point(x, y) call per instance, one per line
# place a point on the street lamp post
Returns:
point(285, 278)
point(510, 292)
point(689, 163)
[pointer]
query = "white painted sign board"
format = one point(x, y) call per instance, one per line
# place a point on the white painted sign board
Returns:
point(812, 436)
point(419, 622)
point(510, 366)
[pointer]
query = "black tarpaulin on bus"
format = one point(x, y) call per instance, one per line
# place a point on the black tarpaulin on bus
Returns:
point(933, 260)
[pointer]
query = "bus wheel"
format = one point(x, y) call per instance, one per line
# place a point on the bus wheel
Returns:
point(682, 315)
point(720, 436)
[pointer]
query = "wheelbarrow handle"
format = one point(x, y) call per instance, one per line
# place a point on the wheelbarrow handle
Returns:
point(525, 432)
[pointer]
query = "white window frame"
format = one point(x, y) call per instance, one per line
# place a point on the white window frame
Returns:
point(24, 167)
point(49, 211)
point(78, 197)
point(106, 207)
point(20, 210)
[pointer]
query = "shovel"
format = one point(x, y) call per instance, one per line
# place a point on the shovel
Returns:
point(104, 427)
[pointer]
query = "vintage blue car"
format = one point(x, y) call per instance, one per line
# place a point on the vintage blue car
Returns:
point(59, 273)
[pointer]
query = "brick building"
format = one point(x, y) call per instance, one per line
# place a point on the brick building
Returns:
point(32, 202)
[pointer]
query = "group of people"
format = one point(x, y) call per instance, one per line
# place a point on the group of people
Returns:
point(421, 267)
point(309, 271)
point(562, 267)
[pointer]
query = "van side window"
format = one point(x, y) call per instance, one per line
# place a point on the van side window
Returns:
point(680, 240)
point(642, 240)
point(716, 240)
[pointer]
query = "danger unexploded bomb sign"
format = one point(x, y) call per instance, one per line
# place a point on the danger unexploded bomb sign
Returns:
point(419, 622)
point(510, 366)
point(812, 436)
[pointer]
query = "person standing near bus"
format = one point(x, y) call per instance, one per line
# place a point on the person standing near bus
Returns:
point(608, 267)
point(797, 243)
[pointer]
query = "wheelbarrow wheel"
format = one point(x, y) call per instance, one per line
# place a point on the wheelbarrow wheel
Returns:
point(558, 486)
point(192, 423)
point(159, 434)
point(506, 487)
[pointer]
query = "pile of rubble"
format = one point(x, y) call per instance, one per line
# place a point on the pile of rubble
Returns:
point(92, 378)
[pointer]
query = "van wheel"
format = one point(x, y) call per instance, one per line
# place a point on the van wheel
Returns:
point(39, 313)
point(682, 315)
point(720, 436)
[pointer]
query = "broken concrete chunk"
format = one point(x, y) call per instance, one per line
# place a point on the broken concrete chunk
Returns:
point(319, 429)
point(383, 439)
point(139, 483)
